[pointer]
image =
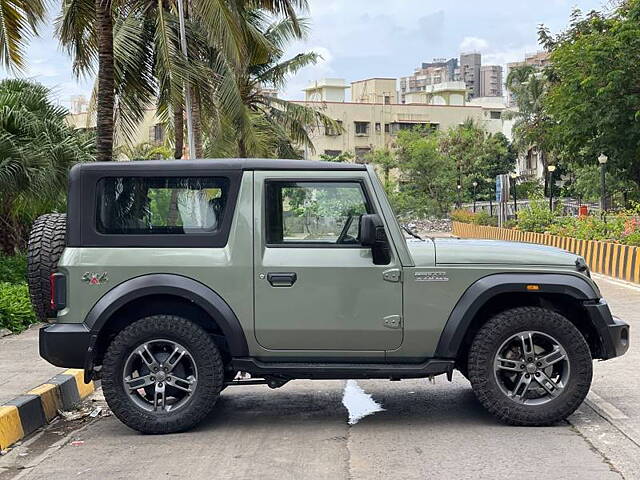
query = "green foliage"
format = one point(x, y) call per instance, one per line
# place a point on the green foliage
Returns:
point(594, 97)
point(537, 218)
point(531, 189)
point(16, 313)
point(37, 148)
point(386, 161)
point(13, 269)
point(340, 158)
point(462, 215)
point(478, 218)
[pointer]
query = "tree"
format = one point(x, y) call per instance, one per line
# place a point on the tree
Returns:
point(428, 176)
point(37, 148)
point(386, 160)
point(594, 94)
point(19, 20)
point(342, 157)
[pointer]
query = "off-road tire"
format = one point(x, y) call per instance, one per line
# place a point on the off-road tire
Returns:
point(206, 356)
point(46, 243)
point(497, 330)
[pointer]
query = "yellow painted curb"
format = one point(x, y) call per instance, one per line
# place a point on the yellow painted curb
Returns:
point(50, 397)
point(10, 426)
point(84, 389)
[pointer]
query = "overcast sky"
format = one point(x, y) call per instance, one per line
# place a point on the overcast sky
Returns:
point(374, 38)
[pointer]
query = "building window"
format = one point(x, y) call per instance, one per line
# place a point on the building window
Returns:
point(362, 128)
point(156, 135)
point(361, 154)
point(377, 127)
point(387, 100)
point(434, 126)
point(334, 132)
point(495, 115)
point(332, 153)
point(386, 128)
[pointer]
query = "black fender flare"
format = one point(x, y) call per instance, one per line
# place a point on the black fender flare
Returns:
point(165, 284)
point(481, 291)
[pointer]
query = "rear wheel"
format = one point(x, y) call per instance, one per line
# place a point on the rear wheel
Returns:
point(162, 374)
point(530, 366)
point(46, 243)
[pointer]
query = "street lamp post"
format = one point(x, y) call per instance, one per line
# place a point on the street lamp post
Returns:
point(514, 177)
point(475, 184)
point(459, 187)
point(551, 168)
point(602, 159)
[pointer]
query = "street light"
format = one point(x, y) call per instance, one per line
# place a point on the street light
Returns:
point(602, 159)
point(459, 187)
point(514, 177)
point(475, 184)
point(551, 168)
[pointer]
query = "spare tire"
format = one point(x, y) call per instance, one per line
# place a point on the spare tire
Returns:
point(46, 243)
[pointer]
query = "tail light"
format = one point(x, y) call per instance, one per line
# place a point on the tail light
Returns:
point(58, 283)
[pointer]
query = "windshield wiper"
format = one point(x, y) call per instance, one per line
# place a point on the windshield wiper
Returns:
point(414, 235)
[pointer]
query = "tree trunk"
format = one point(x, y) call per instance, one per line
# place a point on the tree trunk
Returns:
point(242, 149)
point(178, 127)
point(106, 95)
point(196, 120)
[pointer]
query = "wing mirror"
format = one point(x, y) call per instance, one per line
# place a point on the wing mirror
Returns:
point(372, 235)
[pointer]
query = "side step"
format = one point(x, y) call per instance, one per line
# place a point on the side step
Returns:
point(339, 371)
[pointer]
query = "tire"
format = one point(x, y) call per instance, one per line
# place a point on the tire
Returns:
point(535, 405)
point(46, 243)
point(201, 349)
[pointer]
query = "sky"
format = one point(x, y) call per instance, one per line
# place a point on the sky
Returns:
point(360, 39)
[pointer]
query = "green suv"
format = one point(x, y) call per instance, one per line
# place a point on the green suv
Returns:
point(171, 278)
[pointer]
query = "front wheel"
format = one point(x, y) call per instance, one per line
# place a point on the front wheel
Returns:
point(162, 374)
point(530, 366)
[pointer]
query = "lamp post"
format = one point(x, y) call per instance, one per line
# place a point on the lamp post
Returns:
point(602, 160)
point(551, 168)
point(475, 184)
point(514, 177)
point(459, 187)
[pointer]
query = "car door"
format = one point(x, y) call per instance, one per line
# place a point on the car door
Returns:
point(316, 287)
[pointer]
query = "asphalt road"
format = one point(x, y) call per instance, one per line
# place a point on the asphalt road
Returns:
point(425, 431)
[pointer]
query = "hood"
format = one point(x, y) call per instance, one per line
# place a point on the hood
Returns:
point(453, 250)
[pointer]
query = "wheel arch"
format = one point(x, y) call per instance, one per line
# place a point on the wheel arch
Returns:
point(492, 294)
point(161, 293)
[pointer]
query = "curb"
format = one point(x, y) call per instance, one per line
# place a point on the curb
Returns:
point(26, 413)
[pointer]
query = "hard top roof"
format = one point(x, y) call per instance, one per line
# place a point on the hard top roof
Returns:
point(217, 164)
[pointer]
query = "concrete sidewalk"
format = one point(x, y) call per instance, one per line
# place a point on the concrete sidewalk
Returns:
point(21, 367)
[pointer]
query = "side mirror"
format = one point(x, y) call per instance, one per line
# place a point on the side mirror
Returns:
point(372, 235)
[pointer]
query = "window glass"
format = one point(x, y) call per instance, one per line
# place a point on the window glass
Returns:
point(314, 213)
point(160, 205)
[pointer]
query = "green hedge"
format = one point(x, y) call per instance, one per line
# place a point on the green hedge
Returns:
point(13, 269)
point(16, 313)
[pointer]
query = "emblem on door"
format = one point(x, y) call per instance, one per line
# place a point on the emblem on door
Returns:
point(431, 277)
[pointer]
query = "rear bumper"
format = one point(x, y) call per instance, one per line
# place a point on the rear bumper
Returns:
point(65, 344)
point(613, 332)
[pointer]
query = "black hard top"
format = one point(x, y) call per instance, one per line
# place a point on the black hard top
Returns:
point(217, 164)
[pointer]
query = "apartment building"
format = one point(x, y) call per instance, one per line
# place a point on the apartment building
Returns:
point(439, 71)
point(491, 81)
point(470, 64)
point(374, 125)
point(538, 60)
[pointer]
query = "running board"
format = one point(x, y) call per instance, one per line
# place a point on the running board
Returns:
point(339, 371)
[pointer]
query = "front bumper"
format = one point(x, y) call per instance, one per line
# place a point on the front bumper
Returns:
point(65, 344)
point(613, 332)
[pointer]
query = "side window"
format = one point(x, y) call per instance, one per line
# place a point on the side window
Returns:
point(326, 213)
point(160, 205)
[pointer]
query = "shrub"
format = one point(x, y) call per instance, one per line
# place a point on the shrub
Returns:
point(16, 313)
point(464, 216)
point(537, 218)
point(13, 269)
point(483, 218)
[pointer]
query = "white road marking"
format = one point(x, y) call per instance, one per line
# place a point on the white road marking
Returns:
point(609, 410)
point(621, 283)
point(358, 402)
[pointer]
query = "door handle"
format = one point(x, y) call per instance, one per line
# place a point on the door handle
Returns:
point(282, 279)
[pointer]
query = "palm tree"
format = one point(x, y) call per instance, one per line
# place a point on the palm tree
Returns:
point(37, 148)
point(259, 124)
point(19, 20)
point(88, 30)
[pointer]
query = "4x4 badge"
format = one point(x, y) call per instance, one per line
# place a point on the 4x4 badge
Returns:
point(431, 277)
point(95, 278)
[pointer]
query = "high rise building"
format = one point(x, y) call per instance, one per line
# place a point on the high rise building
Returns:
point(470, 72)
point(491, 81)
point(439, 71)
point(538, 60)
